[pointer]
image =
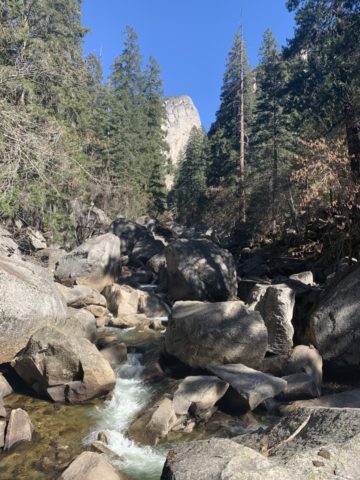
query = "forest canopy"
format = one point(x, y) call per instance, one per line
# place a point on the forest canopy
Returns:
point(282, 158)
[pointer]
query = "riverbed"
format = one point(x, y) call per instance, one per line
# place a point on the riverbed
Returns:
point(64, 431)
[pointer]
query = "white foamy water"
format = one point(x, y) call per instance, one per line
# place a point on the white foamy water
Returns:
point(130, 396)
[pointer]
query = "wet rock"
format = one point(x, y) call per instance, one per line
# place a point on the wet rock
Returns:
point(249, 388)
point(115, 354)
point(64, 368)
point(82, 323)
point(19, 429)
point(304, 277)
point(29, 300)
point(95, 263)
point(5, 388)
point(154, 424)
point(348, 399)
point(200, 270)
point(99, 447)
point(201, 334)
point(334, 326)
point(201, 392)
point(122, 299)
point(276, 305)
point(80, 296)
point(103, 437)
point(306, 359)
point(91, 466)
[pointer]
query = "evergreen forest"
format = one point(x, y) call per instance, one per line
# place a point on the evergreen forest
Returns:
point(281, 161)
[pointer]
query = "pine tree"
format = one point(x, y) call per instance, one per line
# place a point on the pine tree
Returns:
point(325, 54)
point(127, 120)
point(229, 134)
point(136, 138)
point(271, 139)
point(155, 144)
point(190, 186)
point(45, 103)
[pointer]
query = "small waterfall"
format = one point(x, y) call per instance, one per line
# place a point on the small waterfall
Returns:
point(130, 396)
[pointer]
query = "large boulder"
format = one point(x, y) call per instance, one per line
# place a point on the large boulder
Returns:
point(146, 248)
point(129, 233)
point(200, 270)
point(219, 459)
point(29, 300)
point(80, 296)
point(88, 221)
point(249, 388)
point(276, 305)
point(49, 257)
point(95, 263)
point(334, 326)
point(64, 368)
point(306, 359)
point(122, 299)
point(5, 388)
point(83, 323)
point(155, 423)
point(308, 444)
point(200, 392)
point(348, 399)
point(201, 334)
point(91, 466)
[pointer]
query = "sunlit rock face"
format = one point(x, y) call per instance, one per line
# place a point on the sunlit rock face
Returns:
point(182, 116)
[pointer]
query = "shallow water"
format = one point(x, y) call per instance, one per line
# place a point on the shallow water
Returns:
point(131, 395)
point(58, 439)
point(64, 431)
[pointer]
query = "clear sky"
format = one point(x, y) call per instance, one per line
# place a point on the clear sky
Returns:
point(189, 38)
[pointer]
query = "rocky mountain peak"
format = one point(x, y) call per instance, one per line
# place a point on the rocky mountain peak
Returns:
point(182, 116)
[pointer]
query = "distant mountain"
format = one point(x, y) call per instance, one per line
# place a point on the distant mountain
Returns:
point(182, 116)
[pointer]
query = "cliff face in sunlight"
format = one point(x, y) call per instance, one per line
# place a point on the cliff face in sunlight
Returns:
point(182, 116)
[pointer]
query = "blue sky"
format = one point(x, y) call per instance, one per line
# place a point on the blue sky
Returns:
point(189, 38)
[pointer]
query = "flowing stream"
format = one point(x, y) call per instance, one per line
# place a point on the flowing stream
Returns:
point(64, 431)
point(130, 396)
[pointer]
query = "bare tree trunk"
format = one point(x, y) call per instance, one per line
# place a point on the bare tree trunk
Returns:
point(274, 176)
point(242, 199)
